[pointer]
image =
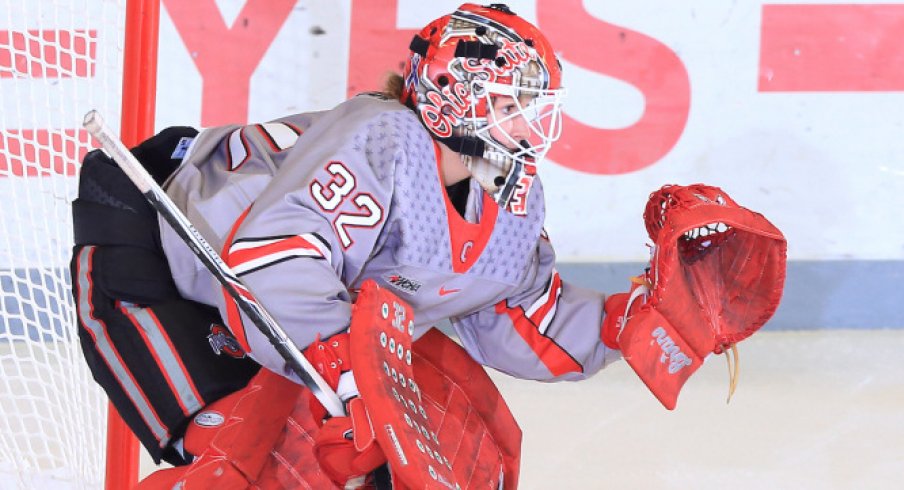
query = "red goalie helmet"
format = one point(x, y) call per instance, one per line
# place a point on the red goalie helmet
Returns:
point(462, 63)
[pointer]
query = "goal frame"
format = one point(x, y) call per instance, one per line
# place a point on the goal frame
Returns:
point(139, 101)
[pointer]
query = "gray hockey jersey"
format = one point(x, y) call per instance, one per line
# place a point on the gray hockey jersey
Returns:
point(305, 208)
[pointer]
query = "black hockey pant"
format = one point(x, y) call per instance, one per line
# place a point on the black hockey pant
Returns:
point(159, 357)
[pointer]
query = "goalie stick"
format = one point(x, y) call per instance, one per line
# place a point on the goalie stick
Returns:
point(243, 297)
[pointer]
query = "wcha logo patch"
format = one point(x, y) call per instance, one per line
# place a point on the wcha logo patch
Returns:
point(402, 283)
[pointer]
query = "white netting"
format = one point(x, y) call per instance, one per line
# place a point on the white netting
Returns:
point(58, 59)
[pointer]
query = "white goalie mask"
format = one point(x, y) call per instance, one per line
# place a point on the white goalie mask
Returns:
point(486, 83)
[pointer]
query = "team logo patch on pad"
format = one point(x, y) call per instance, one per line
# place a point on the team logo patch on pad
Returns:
point(209, 419)
point(181, 148)
point(222, 341)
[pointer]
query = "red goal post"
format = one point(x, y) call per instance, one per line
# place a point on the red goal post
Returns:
point(139, 96)
point(58, 60)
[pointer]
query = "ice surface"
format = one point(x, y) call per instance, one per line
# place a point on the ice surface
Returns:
point(814, 410)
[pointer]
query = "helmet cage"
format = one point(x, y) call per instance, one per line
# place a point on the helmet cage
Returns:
point(540, 110)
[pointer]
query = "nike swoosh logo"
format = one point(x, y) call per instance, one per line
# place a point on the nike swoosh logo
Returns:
point(443, 291)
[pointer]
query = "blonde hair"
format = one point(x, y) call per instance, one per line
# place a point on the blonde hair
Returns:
point(393, 85)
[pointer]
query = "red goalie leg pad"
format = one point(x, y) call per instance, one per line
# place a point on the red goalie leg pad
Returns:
point(659, 355)
point(439, 418)
point(488, 439)
point(292, 463)
point(232, 452)
point(256, 422)
point(206, 423)
point(205, 473)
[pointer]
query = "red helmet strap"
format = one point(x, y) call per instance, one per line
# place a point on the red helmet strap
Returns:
point(419, 45)
point(476, 50)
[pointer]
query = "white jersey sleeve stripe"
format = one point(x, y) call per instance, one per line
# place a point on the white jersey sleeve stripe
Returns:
point(248, 255)
point(543, 310)
point(280, 136)
point(251, 244)
point(238, 150)
point(549, 294)
point(546, 320)
point(260, 263)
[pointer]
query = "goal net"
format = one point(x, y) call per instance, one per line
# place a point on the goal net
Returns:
point(58, 59)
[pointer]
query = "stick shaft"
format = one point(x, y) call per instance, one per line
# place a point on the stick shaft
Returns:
point(234, 286)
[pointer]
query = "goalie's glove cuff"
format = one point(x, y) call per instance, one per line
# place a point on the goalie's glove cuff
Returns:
point(614, 307)
point(619, 307)
point(331, 359)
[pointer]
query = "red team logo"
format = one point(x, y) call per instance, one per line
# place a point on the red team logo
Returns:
point(222, 341)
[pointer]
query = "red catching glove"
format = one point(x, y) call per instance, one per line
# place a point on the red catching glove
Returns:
point(716, 276)
point(346, 447)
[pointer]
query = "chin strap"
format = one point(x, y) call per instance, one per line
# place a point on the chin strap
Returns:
point(504, 193)
point(474, 147)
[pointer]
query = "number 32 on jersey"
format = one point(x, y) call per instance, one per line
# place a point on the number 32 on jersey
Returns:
point(340, 188)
